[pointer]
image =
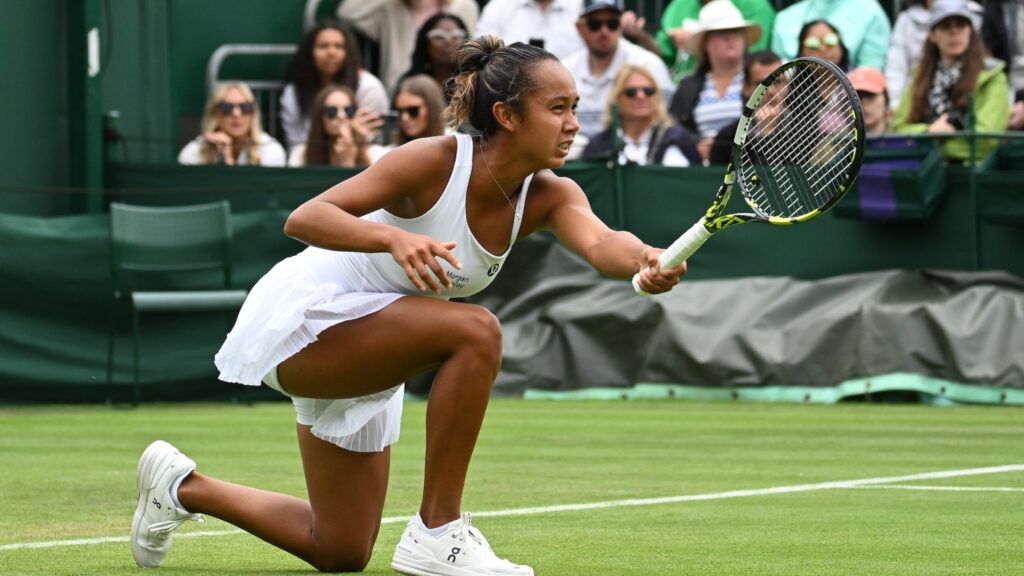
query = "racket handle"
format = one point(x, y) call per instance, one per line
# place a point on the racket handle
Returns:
point(680, 250)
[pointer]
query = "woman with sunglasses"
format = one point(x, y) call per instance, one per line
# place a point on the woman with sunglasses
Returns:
point(342, 135)
point(390, 23)
point(327, 55)
point(437, 42)
point(340, 326)
point(645, 133)
point(954, 67)
point(232, 133)
point(419, 105)
point(820, 39)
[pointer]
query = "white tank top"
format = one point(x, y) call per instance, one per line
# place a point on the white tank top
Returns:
point(445, 221)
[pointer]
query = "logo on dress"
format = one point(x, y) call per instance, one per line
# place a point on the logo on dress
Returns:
point(493, 269)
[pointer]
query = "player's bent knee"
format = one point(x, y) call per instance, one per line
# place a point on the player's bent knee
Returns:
point(482, 332)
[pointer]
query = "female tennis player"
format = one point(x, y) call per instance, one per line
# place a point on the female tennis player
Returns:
point(340, 326)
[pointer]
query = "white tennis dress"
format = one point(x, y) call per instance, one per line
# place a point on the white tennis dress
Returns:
point(307, 293)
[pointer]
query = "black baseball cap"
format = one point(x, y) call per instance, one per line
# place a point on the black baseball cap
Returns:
point(595, 5)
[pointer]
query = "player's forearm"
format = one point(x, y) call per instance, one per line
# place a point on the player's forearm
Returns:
point(324, 225)
point(618, 255)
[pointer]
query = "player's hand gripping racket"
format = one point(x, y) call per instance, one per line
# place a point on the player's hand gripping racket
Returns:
point(798, 148)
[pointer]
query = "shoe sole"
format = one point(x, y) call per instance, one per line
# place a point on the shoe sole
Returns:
point(402, 566)
point(147, 463)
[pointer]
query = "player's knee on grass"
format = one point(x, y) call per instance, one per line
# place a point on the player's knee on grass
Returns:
point(341, 558)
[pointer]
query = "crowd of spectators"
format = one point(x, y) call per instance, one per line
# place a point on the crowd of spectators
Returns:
point(669, 96)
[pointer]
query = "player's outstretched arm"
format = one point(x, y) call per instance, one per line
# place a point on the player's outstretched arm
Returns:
point(617, 254)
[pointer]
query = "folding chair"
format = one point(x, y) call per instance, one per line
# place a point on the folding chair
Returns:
point(154, 241)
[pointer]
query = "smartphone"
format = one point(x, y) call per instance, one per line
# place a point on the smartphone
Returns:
point(389, 127)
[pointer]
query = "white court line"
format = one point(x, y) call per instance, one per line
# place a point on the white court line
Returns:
point(946, 488)
point(864, 482)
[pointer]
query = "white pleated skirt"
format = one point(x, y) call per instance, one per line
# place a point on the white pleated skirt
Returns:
point(285, 311)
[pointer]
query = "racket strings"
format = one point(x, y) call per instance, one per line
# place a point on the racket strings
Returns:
point(800, 190)
point(800, 140)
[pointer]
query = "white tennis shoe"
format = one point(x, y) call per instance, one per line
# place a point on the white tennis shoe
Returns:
point(461, 551)
point(156, 517)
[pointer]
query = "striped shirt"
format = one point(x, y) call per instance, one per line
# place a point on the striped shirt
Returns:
point(713, 113)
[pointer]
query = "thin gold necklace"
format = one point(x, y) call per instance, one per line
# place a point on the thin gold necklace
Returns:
point(498, 184)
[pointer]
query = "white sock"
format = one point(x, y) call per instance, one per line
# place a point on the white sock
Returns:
point(434, 532)
point(174, 489)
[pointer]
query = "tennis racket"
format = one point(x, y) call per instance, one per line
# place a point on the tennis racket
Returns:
point(798, 149)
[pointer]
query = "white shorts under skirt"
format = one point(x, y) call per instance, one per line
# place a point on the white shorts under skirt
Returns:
point(284, 313)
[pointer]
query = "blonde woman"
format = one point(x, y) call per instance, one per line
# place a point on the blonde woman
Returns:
point(646, 132)
point(232, 133)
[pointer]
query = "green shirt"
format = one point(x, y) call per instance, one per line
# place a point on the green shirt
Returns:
point(991, 113)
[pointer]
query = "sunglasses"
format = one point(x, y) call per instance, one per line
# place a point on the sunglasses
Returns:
point(595, 24)
point(633, 91)
point(830, 40)
point(331, 112)
point(445, 37)
point(412, 111)
point(228, 108)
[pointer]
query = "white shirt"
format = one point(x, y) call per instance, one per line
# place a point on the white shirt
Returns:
point(390, 24)
point(595, 90)
point(271, 153)
point(523, 20)
point(636, 151)
point(371, 95)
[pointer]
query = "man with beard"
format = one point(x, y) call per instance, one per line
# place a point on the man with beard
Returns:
point(606, 52)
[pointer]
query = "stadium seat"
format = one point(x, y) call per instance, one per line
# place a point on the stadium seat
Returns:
point(160, 243)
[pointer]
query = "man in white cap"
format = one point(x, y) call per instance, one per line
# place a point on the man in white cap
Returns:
point(606, 52)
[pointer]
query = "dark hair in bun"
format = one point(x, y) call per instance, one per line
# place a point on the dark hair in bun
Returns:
point(487, 71)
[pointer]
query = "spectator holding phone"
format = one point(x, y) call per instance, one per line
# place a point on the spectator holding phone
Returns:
point(232, 133)
point(953, 68)
point(341, 136)
point(417, 114)
point(549, 24)
point(327, 54)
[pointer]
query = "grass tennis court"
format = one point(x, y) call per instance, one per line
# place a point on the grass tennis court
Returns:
point(752, 476)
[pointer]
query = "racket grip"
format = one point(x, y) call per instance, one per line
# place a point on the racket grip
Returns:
point(680, 250)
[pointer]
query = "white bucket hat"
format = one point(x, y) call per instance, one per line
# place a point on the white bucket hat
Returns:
point(720, 15)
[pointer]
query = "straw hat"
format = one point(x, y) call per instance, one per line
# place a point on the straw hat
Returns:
point(720, 15)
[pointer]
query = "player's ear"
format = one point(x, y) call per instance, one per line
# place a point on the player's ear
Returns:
point(507, 117)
